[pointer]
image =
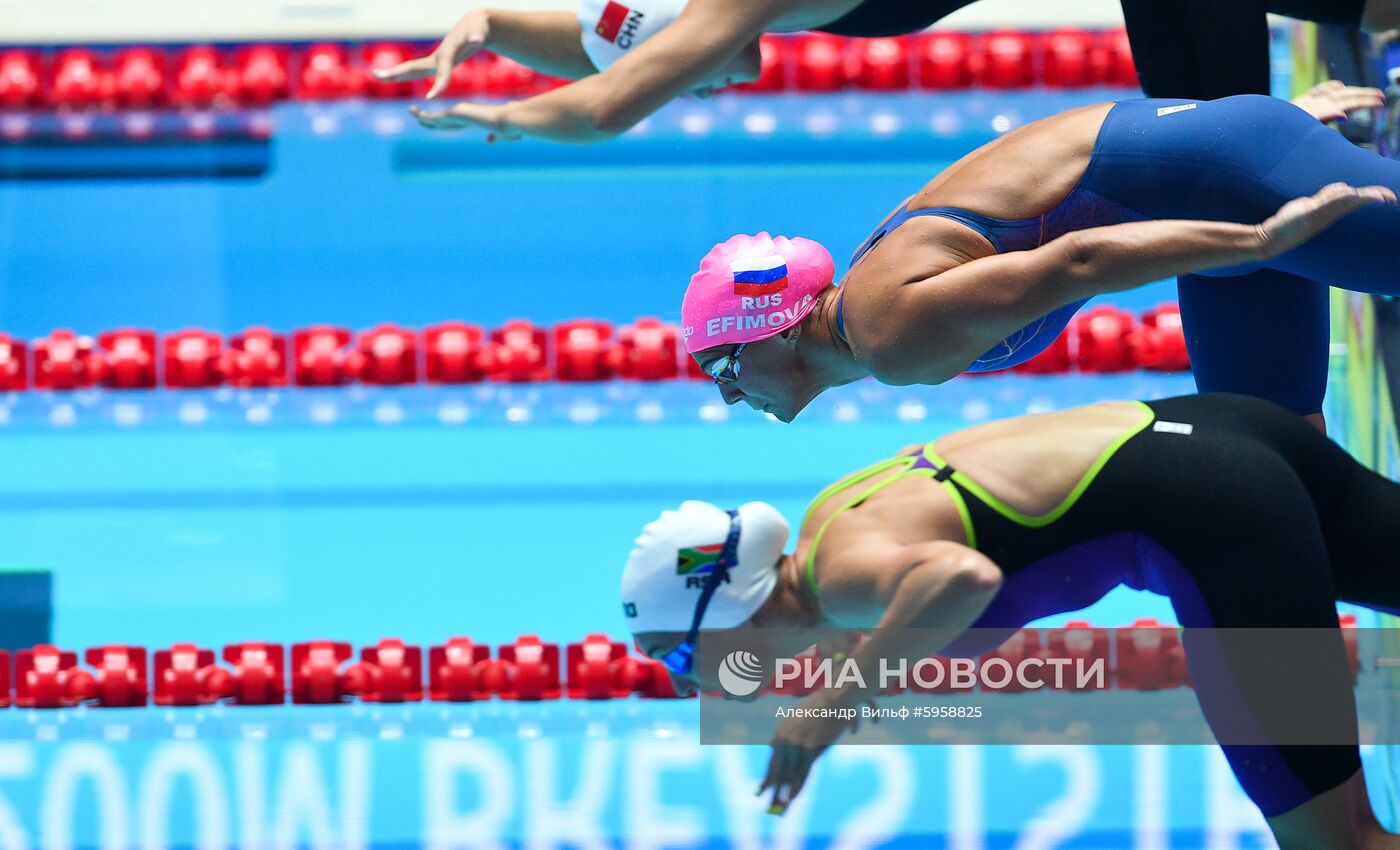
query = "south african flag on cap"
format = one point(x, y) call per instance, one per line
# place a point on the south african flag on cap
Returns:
point(698, 560)
point(760, 275)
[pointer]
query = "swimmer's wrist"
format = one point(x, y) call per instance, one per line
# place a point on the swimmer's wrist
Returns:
point(1238, 243)
point(1257, 239)
point(500, 120)
point(488, 19)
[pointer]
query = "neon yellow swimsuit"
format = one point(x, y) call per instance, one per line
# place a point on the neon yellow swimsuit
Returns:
point(959, 486)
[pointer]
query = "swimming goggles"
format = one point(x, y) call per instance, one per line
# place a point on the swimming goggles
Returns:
point(725, 370)
point(681, 659)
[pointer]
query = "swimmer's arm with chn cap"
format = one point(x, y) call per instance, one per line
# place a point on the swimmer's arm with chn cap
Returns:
point(686, 54)
point(918, 598)
point(927, 329)
point(547, 42)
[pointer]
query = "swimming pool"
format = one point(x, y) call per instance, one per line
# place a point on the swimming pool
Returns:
point(424, 512)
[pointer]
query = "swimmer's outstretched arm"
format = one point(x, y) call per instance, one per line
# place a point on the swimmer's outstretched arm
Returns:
point(926, 330)
point(919, 597)
point(548, 42)
point(687, 54)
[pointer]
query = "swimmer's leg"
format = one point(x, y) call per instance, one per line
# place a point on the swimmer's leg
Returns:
point(1358, 252)
point(1341, 817)
point(1358, 514)
point(1264, 334)
point(1246, 552)
point(1266, 574)
point(1358, 510)
point(1240, 159)
point(1177, 47)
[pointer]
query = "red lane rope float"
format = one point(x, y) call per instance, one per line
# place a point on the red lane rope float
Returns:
point(1146, 656)
point(219, 77)
point(1103, 339)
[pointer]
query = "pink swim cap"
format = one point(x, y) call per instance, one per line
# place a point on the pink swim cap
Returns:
point(752, 287)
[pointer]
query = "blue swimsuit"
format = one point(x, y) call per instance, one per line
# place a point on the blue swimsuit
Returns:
point(1236, 159)
point(1081, 208)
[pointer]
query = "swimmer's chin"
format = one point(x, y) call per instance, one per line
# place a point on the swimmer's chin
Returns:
point(778, 413)
point(785, 416)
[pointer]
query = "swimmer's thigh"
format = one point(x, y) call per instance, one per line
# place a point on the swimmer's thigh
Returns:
point(1263, 334)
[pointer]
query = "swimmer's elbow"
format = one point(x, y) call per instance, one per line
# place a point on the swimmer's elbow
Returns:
point(607, 121)
point(954, 577)
point(962, 567)
point(591, 128)
point(975, 575)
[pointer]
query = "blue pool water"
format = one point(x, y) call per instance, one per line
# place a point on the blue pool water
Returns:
point(422, 513)
point(362, 217)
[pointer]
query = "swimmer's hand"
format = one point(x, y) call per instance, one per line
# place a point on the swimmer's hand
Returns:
point(461, 42)
point(1303, 218)
point(799, 739)
point(466, 115)
point(839, 646)
point(1334, 99)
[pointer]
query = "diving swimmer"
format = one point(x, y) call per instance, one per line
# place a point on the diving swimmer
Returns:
point(629, 59)
point(1269, 524)
point(985, 265)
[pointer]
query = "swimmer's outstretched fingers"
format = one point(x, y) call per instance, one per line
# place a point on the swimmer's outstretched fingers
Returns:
point(1303, 218)
point(1333, 100)
point(462, 116)
point(798, 742)
point(468, 36)
point(788, 768)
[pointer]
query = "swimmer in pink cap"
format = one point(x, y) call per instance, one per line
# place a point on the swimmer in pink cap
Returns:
point(761, 294)
point(984, 266)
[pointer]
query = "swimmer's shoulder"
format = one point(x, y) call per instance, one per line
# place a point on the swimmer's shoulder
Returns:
point(852, 575)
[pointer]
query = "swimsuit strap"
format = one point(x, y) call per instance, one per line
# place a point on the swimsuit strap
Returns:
point(982, 224)
point(982, 494)
point(925, 463)
point(960, 487)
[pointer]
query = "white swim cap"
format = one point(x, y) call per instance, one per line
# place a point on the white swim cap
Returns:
point(610, 28)
point(675, 554)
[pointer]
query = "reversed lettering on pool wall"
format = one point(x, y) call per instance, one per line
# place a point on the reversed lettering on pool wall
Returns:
point(641, 792)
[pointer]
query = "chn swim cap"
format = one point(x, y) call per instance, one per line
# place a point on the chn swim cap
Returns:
point(677, 551)
point(610, 29)
point(752, 287)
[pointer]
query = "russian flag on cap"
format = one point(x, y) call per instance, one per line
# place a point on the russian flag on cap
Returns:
point(760, 275)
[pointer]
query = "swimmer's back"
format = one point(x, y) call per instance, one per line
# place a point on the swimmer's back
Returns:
point(1060, 447)
point(1023, 174)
